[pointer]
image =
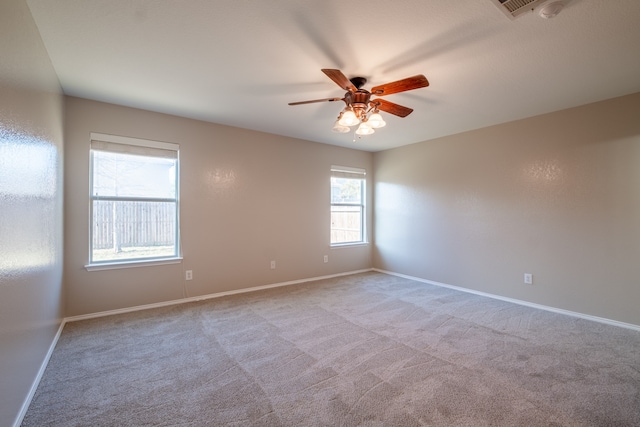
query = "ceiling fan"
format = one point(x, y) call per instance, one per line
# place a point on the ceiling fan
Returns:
point(360, 108)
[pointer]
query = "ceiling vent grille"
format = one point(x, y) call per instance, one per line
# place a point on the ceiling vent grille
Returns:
point(515, 8)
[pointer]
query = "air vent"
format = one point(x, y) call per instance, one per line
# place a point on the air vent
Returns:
point(515, 8)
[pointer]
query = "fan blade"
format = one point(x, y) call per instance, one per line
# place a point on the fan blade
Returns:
point(316, 100)
point(340, 79)
point(391, 108)
point(403, 85)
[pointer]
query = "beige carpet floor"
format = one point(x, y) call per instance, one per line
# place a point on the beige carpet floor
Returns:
point(362, 350)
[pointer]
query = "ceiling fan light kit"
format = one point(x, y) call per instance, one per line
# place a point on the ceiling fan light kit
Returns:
point(360, 108)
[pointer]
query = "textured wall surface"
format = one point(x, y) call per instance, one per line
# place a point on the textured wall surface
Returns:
point(556, 195)
point(31, 119)
point(246, 198)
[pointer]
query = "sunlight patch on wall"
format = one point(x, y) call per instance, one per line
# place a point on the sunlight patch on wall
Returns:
point(28, 195)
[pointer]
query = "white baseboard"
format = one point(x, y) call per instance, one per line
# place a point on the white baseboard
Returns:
point(36, 381)
point(206, 297)
point(517, 301)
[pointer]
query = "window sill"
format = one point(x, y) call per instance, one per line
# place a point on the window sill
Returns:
point(348, 245)
point(130, 264)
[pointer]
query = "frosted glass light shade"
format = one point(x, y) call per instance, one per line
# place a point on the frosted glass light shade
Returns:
point(364, 129)
point(349, 118)
point(337, 127)
point(376, 121)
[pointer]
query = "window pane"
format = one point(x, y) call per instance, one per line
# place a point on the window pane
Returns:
point(133, 230)
point(126, 175)
point(346, 224)
point(345, 190)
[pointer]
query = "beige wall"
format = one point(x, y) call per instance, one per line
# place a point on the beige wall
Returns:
point(246, 198)
point(31, 117)
point(557, 196)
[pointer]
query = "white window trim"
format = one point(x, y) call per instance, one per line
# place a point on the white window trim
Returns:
point(125, 140)
point(353, 173)
point(348, 245)
point(114, 265)
point(130, 263)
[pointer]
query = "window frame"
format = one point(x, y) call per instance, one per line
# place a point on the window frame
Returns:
point(348, 172)
point(144, 148)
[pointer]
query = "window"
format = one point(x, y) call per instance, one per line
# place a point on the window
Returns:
point(347, 205)
point(134, 200)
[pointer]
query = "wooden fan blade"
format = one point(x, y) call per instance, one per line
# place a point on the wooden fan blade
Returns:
point(403, 85)
point(316, 100)
point(340, 79)
point(391, 108)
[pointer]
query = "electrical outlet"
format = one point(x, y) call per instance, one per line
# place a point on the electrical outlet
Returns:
point(326, 258)
point(188, 275)
point(273, 265)
point(528, 279)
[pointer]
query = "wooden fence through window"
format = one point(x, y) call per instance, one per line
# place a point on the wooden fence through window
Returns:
point(120, 224)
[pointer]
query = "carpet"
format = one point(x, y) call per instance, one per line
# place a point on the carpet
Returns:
point(367, 349)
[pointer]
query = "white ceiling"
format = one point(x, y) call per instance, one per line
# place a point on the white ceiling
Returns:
point(239, 62)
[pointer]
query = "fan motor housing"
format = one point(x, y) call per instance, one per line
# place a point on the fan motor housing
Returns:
point(358, 100)
point(361, 96)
